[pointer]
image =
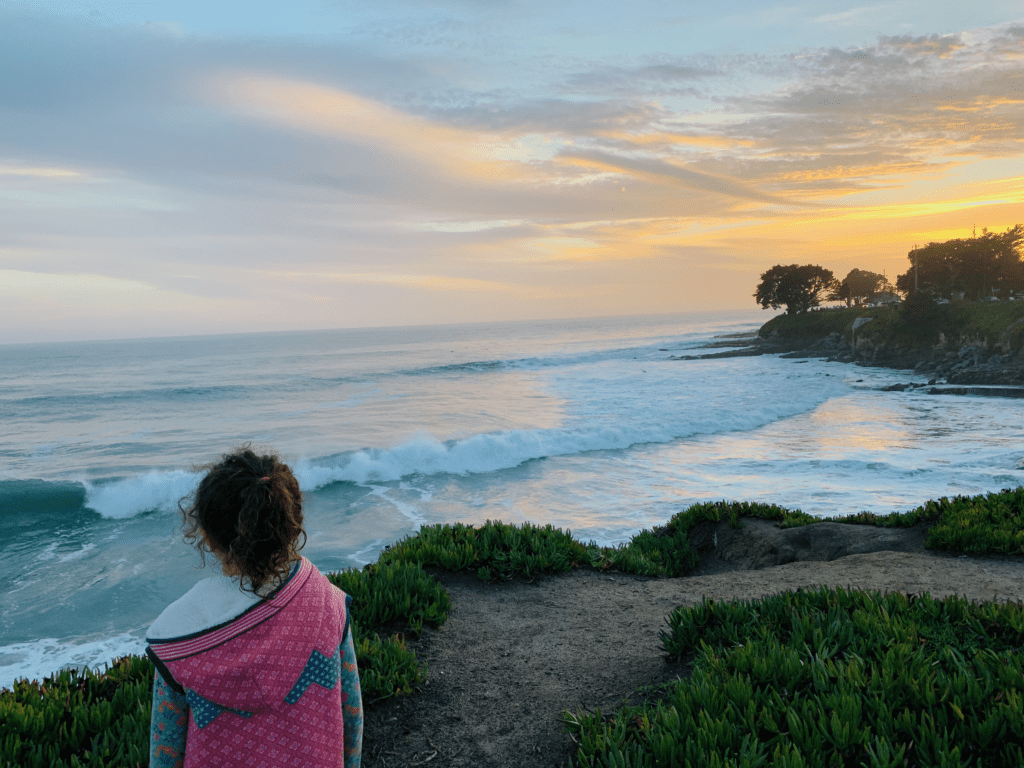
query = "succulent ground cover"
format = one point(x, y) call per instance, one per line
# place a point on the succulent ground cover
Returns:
point(79, 719)
point(103, 718)
point(400, 597)
point(828, 678)
point(986, 524)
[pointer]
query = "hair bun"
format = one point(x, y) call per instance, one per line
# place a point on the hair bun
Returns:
point(257, 532)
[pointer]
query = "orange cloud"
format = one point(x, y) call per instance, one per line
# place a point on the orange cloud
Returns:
point(434, 282)
point(325, 111)
point(665, 138)
point(660, 171)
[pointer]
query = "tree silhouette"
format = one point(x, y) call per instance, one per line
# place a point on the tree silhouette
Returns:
point(860, 285)
point(977, 265)
point(797, 287)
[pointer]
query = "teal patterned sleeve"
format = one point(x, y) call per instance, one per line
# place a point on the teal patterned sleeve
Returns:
point(169, 726)
point(353, 703)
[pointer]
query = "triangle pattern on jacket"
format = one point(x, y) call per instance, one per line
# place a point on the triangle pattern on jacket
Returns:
point(205, 711)
point(322, 670)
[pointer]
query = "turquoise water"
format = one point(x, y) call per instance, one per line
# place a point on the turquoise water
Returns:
point(586, 424)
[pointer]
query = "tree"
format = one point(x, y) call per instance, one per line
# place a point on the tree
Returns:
point(920, 309)
point(977, 265)
point(860, 285)
point(797, 287)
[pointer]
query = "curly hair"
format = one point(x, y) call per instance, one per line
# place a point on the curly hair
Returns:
point(247, 511)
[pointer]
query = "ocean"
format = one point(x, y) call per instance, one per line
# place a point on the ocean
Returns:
point(584, 424)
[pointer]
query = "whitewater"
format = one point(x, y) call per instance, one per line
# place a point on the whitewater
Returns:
point(589, 425)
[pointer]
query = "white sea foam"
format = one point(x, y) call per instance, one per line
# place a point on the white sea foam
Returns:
point(409, 511)
point(614, 407)
point(142, 493)
point(68, 557)
point(369, 553)
point(39, 658)
point(612, 411)
point(48, 552)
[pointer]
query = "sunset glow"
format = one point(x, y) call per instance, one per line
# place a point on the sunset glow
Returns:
point(345, 165)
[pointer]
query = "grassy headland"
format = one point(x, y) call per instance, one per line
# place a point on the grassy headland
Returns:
point(996, 326)
point(803, 679)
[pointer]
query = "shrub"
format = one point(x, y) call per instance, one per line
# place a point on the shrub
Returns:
point(991, 524)
point(812, 326)
point(919, 309)
point(494, 550)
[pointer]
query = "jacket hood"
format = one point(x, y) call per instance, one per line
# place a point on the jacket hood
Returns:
point(260, 655)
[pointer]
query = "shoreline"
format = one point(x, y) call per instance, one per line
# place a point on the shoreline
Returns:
point(964, 372)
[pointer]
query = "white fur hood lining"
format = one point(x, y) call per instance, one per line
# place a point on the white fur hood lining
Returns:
point(212, 601)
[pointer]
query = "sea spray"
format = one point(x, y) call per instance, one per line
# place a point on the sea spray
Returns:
point(153, 491)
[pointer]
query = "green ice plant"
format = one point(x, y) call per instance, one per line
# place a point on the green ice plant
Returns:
point(499, 551)
point(79, 718)
point(400, 597)
point(666, 551)
point(991, 524)
point(986, 524)
point(494, 550)
point(827, 678)
point(394, 594)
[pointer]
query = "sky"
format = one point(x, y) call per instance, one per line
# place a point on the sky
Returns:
point(177, 168)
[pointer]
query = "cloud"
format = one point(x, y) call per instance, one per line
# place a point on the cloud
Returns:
point(670, 77)
point(336, 114)
point(442, 180)
point(663, 171)
point(513, 115)
point(38, 172)
point(848, 17)
point(877, 116)
point(430, 282)
point(1009, 42)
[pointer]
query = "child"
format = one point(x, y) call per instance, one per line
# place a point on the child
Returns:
point(255, 667)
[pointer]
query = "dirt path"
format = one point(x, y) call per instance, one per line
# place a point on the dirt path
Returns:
point(512, 657)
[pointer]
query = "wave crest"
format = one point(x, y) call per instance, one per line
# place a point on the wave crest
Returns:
point(154, 491)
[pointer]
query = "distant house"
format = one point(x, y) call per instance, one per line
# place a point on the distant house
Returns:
point(885, 298)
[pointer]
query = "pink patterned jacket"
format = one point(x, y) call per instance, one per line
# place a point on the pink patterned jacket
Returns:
point(263, 688)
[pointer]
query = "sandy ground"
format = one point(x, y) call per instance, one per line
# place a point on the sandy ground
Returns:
point(513, 657)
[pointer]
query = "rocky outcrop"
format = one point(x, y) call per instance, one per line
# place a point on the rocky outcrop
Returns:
point(763, 544)
point(966, 361)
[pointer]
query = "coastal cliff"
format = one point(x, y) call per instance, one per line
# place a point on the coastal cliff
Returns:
point(962, 343)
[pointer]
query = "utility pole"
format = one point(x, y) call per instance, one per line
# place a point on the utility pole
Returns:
point(915, 267)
